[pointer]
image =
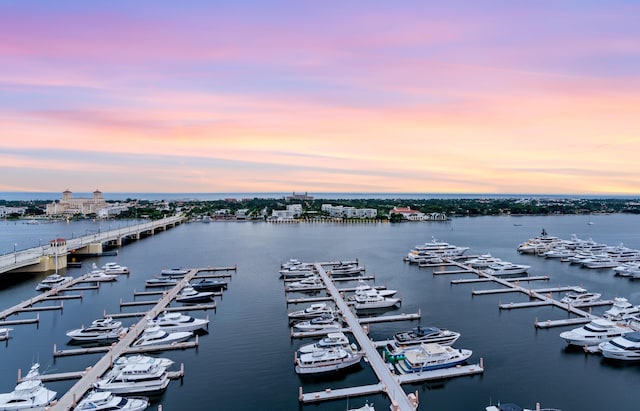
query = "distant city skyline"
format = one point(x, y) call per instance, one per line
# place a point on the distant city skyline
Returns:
point(280, 96)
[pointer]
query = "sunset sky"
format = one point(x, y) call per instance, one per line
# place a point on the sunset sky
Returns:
point(332, 96)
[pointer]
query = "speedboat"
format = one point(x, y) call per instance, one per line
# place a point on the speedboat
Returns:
point(174, 272)
point(580, 296)
point(172, 322)
point(326, 322)
point(114, 268)
point(626, 347)
point(154, 335)
point(142, 359)
point(373, 300)
point(134, 379)
point(107, 401)
point(326, 360)
point(100, 330)
point(189, 295)
point(622, 310)
point(314, 310)
point(331, 340)
point(420, 335)
point(593, 333)
point(29, 394)
point(53, 281)
point(506, 268)
point(425, 357)
point(208, 284)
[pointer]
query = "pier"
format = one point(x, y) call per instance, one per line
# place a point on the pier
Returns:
point(389, 383)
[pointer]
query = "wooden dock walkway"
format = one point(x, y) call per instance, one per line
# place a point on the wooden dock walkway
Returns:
point(66, 402)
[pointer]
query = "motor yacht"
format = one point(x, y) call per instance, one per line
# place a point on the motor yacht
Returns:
point(154, 335)
point(161, 282)
point(326, 360)
point(189, 295)
point(628, 269)
point(419, 335)
point(425, 357)
point(593, 333)
point(53, 281)
point(364, 287)
point(99, 275)
point(624, 348)
point(326, 322)
point(208, 284)
point(142, 359)
point(29, 394)
point(559, 252)
point(365, 407)
point(482, 261)
point(345, 270)
point(372, 299)
point(438, 248)
point(331, 340)
point(506, 268)
point(134, 379)
point(107, 401)
point(313, 282)
point(102, 329)
point(542, 243)
point(174, 272)
point(114, 268)
point(580, 296)
point(314, 310)
point(300, 271)
point(173, 322)
point(600, 261)
point(621, 310)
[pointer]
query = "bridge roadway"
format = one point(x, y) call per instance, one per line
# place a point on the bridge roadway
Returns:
point(32, 256)
point(391, 386)
point(68, 400)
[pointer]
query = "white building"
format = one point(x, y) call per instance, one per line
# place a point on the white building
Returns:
point(69, 205)
point(6, 211)
point(340, 211)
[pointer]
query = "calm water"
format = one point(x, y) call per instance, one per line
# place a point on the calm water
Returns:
point(246, 360)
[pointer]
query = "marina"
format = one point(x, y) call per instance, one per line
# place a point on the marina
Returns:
point(439, 301)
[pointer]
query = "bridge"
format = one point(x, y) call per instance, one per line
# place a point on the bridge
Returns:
point(54, 255)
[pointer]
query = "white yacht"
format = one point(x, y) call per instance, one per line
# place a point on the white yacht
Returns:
point(441, 248)
point(314, 310)
point(326, 360)
point(506, 268)
point(345, 269)
point(580, 296)
point(134, 379)
point(327, 322)
point(600, 261)
point(313, 282)
point(101, 329)
point(419, 335)
point(114, 268)
point(372, 300)
point(172, 322)
point(482, 261)
point(559, 252)
point(544, 242)
point(628, 269)
point(4, 333)
point(300, 271)
point(174, 272)
point(364, 287)
point(29, 394)
point(621, 310)
point(99, 275)
point(593, 333)
point(154, 335)
point(107, 401)
point(331, 340)
point(625, 348)
point(365, 407)
point(53, 281)
point(142, 359)
point(190, 295)
point(425, 357)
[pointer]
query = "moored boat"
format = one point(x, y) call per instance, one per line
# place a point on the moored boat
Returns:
point(208, 284)
point(593, 333)
point(326, 322)
point(331, 340)
point(53, 281)
point(107, 401)
point(580, 296)
point(189, 295)
point(621, 310)
point(134, 379)
point(314, 310)
point(115, 268)
point(29, 394)
point(101, 329)
point(624, 348)
point(174, 272)
point(326, 360)
point(154, 335)
point(419, 335)
point(173, 322)
point(425, 357)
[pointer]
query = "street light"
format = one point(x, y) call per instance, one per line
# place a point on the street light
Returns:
point(15, 254)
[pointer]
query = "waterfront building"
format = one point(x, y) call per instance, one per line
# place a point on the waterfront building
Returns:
point(416, 215)
point(7, 211)
point(69, 205)
point(348, 212)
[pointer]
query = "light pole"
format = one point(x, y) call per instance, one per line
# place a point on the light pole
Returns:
point(15, 254)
